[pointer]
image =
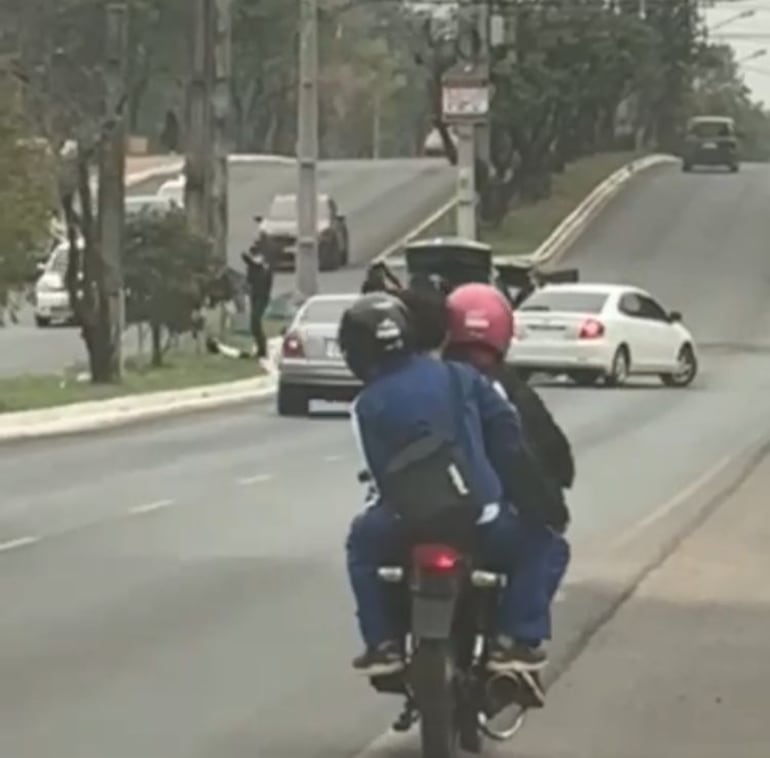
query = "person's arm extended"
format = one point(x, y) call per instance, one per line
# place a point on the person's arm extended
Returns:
point(521, 476)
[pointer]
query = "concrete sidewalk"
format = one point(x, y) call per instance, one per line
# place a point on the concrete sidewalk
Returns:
point(683, 670)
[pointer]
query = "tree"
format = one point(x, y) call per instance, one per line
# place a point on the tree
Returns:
point(26, 193)
point(168, 271)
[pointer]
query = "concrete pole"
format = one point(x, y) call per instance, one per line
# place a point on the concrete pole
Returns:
point(376, 122)
point(483, 22)
point(197, 194)
point(307, 152)
point(220, 107)
point(466, 185)
point(112, 169)
point(220, 153)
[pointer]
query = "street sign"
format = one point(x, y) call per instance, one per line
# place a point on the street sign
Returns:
point(465, 93)
point(465, 101)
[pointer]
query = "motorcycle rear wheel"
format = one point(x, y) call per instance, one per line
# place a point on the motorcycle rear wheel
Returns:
point(433, 681)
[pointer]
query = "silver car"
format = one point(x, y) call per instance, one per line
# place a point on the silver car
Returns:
point(311, 365)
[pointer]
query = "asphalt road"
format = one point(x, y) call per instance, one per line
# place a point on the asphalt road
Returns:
point(382, 200)
point(176, 590)
point(682, 669)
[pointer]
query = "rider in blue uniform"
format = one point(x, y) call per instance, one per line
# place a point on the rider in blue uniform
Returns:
point(406, 393)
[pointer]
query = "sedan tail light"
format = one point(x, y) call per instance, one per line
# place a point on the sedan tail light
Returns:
point(292, 346)
point(591, 330)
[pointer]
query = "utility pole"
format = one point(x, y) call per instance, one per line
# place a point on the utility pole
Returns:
point(307, 151)
point(466, 181)
point(465, 104)
point(483, 24)
point(112, 169)
point(376, 121)
point(198, 168)
point(220, 148)
point(220, 107)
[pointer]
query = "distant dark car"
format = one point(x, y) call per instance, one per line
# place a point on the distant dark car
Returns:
point(279, 228)
point(711, 141)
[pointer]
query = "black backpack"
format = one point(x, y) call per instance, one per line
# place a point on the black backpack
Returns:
point(428, 483)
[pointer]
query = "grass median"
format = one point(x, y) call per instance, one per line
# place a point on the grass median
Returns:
point(527, 226)
point(182, 369)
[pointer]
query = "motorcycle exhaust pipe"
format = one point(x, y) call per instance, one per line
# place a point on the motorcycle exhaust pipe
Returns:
point(501, 691)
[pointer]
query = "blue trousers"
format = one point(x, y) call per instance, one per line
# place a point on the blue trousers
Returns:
point(533, 557)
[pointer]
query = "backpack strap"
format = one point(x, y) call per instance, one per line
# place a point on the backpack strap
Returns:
point(457, 400)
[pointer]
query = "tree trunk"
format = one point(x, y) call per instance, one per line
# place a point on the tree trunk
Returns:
point(156, 334)
point(84, 276)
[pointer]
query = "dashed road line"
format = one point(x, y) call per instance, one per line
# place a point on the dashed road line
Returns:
point(20, 542)
point(258, 479)
point(333, 458)
point(150, 507)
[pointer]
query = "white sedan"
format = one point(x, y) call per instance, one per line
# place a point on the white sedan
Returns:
point(601, 331)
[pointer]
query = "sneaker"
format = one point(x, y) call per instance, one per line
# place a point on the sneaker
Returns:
point(507, 655)
point(380, 661)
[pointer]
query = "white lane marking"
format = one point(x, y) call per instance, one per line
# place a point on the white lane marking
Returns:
point(258, 479)
point(333, 458)
point(150, 507)
point(670, 505)
point(17, 543)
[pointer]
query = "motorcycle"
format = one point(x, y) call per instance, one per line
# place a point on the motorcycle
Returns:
point(447, 607)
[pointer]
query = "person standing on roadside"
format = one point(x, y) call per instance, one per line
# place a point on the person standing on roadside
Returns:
point(259, 275)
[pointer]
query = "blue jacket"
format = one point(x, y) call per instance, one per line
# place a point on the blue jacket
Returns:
point(415, 395)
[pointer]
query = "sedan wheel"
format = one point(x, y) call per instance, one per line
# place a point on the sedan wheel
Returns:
point(686, 370)
point(618, 374)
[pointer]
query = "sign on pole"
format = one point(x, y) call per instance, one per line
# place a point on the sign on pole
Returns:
point(465, 94)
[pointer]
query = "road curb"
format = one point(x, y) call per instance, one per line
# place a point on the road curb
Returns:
point(173, 169)
point(624, 567)
point(126, 409)
point(103, 414)
point(569, 230)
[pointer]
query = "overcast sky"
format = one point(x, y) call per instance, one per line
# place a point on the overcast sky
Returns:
point(747, 36)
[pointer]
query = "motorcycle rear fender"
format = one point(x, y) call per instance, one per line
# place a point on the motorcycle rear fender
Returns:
point(434, 600)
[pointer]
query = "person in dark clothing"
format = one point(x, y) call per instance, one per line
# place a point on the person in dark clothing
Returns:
point(379, 278)
point(545, 437)
point(406, 396)
point(260, 278)
point(427, 307)
point(427, 312)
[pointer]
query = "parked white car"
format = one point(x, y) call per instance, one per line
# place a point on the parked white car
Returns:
point(601, 331)
point(52, 302)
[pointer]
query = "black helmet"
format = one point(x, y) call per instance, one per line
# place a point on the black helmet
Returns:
point(372, 331)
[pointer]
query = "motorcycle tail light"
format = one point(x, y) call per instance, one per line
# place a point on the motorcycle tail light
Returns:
point(436, 558)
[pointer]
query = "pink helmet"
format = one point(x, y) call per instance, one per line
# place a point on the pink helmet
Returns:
point(480, 316)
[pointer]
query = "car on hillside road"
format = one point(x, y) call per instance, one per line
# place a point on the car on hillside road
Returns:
point(279, 229)
point(593, 332)
point(310, 364)
point(711, 141)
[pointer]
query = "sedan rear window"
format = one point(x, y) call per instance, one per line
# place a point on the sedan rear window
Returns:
point(565, 301)
point(324, 311)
